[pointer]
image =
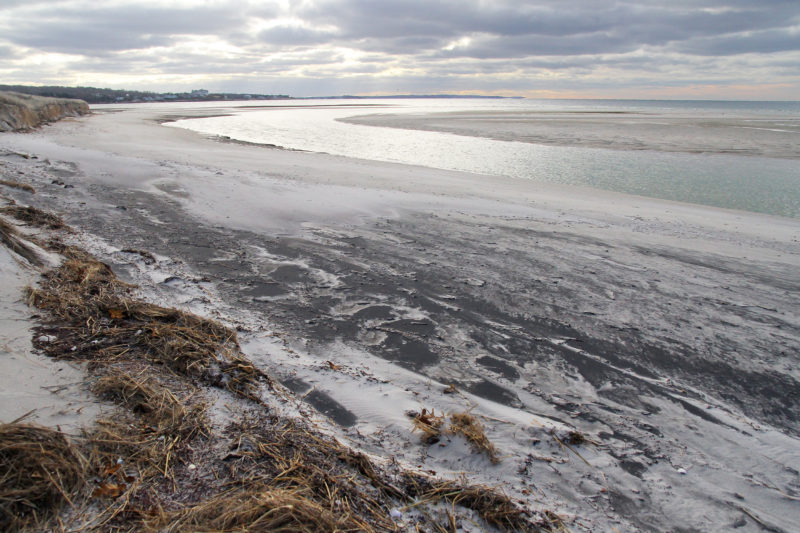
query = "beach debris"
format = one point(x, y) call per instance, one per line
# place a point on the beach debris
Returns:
point(333, 366)
point(86, 293)
point(433, 426)
point(109, 490)
point(396, 514)
point(572, 437)
point(61, 183)
point(34, 217)
point(40, 468)
point(282, 474)
point(17, 185)
point(467, 425)
point(450, 389)
point(163, 412)
point(259, 508)
point(575, 438)
point(148, 258)
point(11, 239)
point(429, 425)
point(492, 505)
point(114, 481)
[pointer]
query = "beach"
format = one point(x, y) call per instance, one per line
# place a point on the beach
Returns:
point(665, 333)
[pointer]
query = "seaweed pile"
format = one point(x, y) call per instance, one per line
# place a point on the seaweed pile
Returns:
point(166, 459)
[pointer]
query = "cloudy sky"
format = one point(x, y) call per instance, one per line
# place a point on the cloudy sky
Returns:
point(736, 49)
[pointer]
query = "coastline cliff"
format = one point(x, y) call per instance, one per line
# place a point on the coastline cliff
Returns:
point(19, 112)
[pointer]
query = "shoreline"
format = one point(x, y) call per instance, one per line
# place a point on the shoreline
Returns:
point(680, 163)
point(544, 311)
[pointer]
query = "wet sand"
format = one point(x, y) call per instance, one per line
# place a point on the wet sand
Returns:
point(665, 332)
point(677, 132)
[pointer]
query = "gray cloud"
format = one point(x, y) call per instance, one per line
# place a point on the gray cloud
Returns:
point(8, 52)
point(108, 28)
point(761, 42)
point(293, 36)
point(447, 44)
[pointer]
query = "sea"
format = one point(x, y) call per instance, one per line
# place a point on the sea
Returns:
point(718, 177)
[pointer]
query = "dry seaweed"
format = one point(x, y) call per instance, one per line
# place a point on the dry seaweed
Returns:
point(17, 185)
point(158, 406)
point(490, 504)
point(465, 424)
point(106, 323)
point(11, 239)
point(148, 258)
point(34, 217)
point(39, 468)
point(259, 508)
point(287, 455)
point(430, 425)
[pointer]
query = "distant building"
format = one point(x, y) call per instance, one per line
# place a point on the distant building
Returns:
point(199, 93)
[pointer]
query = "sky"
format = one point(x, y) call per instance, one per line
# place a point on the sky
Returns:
point(681, 49)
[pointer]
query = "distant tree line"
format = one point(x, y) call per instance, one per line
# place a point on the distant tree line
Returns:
point(93, 95)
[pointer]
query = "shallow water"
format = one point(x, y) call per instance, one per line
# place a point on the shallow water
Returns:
point(746, 182)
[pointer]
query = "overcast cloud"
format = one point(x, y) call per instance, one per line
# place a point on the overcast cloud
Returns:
point(591, 48)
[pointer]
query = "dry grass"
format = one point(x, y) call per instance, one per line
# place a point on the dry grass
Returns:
point(17, 185)
point(39, 468)
point(34, 217)
point(10, 238)
point(285, 455)
point(432, 427)
point(493, 506)
point(148, 258)
point(157, 405)
point(259, 508)
point(466, 425)
point(106, 323)
point(428, 424)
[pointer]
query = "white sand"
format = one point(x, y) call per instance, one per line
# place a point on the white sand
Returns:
point(314, 188)
point(49, 392)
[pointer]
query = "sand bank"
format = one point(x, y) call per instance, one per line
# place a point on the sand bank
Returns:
point(685, 132)
point(664, 332)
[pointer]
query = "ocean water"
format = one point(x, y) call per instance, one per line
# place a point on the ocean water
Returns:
point(745, 182)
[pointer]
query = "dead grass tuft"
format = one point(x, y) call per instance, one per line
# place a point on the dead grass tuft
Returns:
point(259, 509)
point(17, 185)
point(493, 506)
point(39, 468)
point(34, 217)
point(575, 438)
point(287, 455)
point(158, 406)
point(10, 238)
point(106, 323)
point(465, 424)
point(430, 425)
